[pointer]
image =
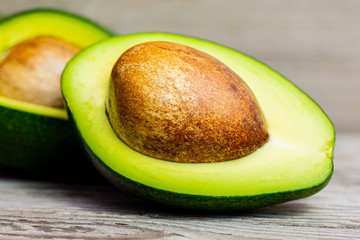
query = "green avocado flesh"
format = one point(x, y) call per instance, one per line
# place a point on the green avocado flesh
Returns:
point(296, 161)
point(35, 137)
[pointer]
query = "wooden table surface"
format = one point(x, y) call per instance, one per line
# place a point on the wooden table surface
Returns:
point(33, 209)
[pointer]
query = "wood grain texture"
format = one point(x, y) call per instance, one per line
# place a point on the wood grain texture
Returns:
point(31, 209)
point(315, 43)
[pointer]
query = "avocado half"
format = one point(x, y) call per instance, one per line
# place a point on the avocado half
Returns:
point(35, 137)
point(296, 161)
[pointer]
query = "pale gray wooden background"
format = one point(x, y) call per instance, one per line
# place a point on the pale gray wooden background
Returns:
point(315, 43)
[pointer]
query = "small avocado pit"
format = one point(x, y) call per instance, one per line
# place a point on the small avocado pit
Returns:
point(31, 70)
point(176, 103)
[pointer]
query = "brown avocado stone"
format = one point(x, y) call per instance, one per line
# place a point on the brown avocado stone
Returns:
point(176, 103)
point(31, 70)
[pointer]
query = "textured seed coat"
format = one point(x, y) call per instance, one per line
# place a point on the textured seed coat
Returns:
point(31, 70)
point(173, 102)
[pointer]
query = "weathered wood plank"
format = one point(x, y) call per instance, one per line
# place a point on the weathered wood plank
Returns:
point(32, 209)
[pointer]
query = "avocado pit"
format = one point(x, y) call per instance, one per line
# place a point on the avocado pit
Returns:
point(31, 70)
point(176, 103)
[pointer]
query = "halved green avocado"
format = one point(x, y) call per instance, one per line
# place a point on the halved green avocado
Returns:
point(296, 161)
point(35, 137)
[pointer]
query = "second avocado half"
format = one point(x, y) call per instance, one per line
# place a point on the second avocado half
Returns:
point(295, 161)
point(35, 137)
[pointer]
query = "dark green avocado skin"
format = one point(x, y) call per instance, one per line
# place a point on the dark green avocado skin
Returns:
point(197, 203)
point(28, 144)
point(27, 136)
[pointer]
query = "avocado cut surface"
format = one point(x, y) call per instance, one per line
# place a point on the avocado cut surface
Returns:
point(35, 137)
point(295, 162)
